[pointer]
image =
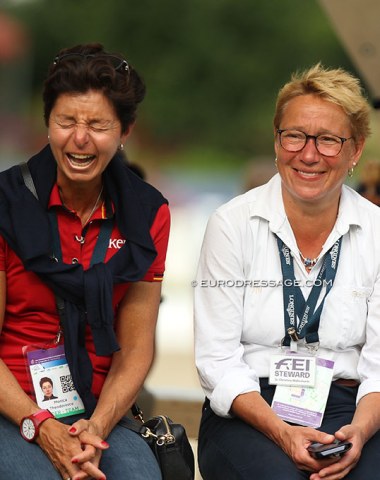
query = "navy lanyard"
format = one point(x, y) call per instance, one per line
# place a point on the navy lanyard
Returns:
point(100, 250)
point(295, 305)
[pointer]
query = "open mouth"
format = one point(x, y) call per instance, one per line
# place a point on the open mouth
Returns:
point(79, 159)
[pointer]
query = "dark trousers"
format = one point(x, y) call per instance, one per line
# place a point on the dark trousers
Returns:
point(229, 449)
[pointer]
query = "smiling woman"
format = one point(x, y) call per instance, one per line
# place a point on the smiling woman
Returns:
point(294, 359)
point(87, 236)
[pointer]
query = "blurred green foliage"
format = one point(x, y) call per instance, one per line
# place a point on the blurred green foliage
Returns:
point(212, 67)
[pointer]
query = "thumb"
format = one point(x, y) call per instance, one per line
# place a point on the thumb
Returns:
point(343, 433)
point(78, 427)
point(323, 437)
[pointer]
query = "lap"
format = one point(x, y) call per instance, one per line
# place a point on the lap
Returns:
point(229, 448)
point(128, 457)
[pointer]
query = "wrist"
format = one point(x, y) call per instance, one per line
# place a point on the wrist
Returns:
point(30, 425)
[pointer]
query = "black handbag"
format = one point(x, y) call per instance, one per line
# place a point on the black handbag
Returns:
point(168, 442)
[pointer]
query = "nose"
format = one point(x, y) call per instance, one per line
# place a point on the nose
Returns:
point(81, 135)
point(309, 152)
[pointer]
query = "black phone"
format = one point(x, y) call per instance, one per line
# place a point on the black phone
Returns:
point(335, 449)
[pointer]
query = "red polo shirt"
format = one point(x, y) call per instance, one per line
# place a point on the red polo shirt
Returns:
point(31, 316)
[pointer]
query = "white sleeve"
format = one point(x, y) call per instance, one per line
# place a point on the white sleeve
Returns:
point(369, 361)
point(218, 310)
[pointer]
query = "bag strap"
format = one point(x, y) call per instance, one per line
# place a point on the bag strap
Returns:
point(28, 180)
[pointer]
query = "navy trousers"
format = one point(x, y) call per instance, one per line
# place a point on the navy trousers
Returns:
point(229, 449)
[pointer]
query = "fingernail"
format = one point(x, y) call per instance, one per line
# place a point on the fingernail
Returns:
point(72, 430)
point(74, 460)
point(105, 444)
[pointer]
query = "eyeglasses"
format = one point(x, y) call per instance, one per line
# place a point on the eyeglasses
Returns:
point(326, 144)
point(117, 62)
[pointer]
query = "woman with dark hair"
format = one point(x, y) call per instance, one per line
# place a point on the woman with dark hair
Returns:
point(46, 385)
point(82, 254)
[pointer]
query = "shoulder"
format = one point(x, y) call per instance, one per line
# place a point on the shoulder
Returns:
point(353, 199)
point(145, 191)
point(258, 202)
point(132, 184)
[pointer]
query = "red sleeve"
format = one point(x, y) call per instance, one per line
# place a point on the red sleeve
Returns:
point(2, 254)
point(160, 234)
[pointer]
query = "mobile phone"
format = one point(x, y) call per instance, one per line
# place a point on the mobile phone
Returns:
point(335, 449)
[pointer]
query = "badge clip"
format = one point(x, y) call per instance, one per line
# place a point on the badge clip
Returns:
point(291, 331)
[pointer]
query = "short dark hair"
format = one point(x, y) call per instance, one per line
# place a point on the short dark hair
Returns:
point(89, 67)
point(45, 380)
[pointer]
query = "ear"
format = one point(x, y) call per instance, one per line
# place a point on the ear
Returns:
point(126, 133)
point(358, 150)
point(276, 142)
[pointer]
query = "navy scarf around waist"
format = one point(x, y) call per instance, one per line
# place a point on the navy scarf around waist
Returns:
point(87, 294)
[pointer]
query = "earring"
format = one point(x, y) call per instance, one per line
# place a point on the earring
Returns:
point(275, 161)
point(121, 146)
point(351, 170)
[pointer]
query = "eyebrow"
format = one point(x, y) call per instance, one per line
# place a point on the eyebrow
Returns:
point(62, 117)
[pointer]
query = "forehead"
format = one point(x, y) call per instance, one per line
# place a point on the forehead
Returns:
point(92, 104)
point(311, 111)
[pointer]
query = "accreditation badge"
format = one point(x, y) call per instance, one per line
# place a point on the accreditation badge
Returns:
point(304, 405)
point(52, 382)
point(292, 369)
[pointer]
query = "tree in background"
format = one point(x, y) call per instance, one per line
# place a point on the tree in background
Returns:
point(212, 67)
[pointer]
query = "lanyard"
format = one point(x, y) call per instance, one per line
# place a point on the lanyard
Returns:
point(295, 305)
point(101, 246)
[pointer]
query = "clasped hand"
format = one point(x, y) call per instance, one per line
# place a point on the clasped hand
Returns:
point(74, 450)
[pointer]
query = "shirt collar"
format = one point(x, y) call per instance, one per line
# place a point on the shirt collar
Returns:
point(106, 211)
point(266, 202)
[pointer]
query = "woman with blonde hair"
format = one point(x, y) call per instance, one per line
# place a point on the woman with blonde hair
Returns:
point(287, 348)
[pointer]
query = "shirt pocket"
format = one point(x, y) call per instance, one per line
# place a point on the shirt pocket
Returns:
point(344, 317)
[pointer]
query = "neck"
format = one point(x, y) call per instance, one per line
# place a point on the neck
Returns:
point(311, 225)
point(83, 201)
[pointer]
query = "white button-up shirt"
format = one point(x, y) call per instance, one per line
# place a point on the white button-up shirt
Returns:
point(239, 309)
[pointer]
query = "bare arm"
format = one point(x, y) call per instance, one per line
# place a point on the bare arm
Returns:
point(14, 403)
point(135, 328)
point(367, 416)
point(364, 425)
point(294, 440)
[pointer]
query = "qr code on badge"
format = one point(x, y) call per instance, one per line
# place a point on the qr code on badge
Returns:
point(67, 384)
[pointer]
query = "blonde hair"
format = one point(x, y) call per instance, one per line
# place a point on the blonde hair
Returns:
point(334, 85)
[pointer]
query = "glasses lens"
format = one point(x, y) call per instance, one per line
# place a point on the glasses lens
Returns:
point(329, 145)
point(292, 140)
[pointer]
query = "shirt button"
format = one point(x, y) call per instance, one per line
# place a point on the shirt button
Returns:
point(74, 260)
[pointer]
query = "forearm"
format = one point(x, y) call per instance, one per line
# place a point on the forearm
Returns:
point(121, 388)
point(254, 410)
point(14, 402)
point(135, 328)
point(367, 415)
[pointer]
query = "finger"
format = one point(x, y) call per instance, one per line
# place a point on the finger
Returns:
point(78, 427)
point(89, 470)
point(88, 453)
point(94, 440)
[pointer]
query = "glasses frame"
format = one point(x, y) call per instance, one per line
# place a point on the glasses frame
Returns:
point(123, 65)
point(314, 137)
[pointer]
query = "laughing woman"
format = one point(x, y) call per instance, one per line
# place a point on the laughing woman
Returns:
point(83, 236)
